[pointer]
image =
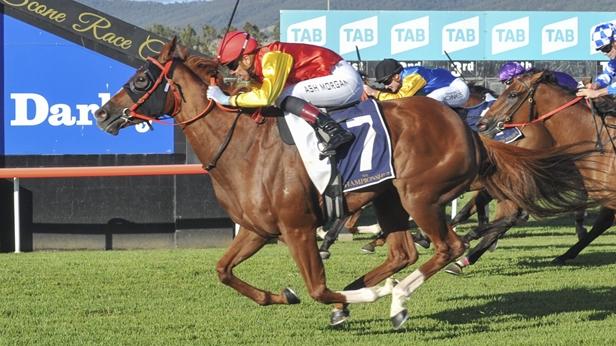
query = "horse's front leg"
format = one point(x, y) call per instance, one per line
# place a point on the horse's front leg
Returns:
point(303, 247)
point(243, 246)
point(402, 253)
point(448, 246)
point(302, 244)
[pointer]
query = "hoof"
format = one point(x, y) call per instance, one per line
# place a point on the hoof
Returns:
point(338, 317)
point(321, 233)
point(398, 320)
point(324, 254)
point(454, 269)
point(368, 248)
point(424, 243)
point(291, 297)
point(560, 261)
point(493, 246)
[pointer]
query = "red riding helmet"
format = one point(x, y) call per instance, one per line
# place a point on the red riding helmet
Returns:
point(235, 44)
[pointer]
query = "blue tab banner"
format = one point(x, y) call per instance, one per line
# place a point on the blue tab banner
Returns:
point(465, 35)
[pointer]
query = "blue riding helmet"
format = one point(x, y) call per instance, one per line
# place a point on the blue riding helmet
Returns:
point(509, 70)
point(603, 35)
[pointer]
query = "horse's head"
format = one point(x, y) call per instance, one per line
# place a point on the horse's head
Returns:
point(516, 103)
point(156, 89)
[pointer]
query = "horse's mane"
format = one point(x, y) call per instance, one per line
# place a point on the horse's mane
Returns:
point(202, 66)
point(208, 67)
point(548, 78)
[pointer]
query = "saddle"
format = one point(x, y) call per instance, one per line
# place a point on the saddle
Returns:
point(334, 203)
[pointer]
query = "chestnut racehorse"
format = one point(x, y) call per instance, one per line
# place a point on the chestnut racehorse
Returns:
point(478, 95)
point(263, 185)
point(534, 100)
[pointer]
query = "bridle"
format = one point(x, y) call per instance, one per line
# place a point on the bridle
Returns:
point(530, 97)
point(165, 73)
point(532, 115)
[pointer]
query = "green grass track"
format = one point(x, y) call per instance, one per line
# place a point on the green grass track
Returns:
point(512, 296)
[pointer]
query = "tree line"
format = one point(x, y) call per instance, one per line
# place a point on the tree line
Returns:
point(206, 39)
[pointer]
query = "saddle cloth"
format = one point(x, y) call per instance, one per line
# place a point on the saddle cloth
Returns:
point(365, 162)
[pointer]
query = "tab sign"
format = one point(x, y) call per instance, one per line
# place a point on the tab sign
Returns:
point(311, 31)
point(560, 35)
point(410, 35)
point(362, 33)
point(461, 35)
point(510, 35)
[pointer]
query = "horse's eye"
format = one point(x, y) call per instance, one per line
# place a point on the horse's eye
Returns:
point(513, 95)
point(141, 82)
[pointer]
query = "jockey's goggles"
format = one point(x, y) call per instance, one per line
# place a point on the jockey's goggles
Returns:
point(233, 65)
point(606, 49)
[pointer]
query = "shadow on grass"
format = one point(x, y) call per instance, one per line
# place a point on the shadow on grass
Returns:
point(493, 310)
point(532, 305)
point(536, 264)
point(583, 260)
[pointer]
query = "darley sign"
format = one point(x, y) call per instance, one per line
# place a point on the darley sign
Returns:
point(52, 86)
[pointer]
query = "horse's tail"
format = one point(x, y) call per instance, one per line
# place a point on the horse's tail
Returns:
point(542, 182)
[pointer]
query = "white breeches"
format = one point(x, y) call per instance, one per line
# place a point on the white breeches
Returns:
point(454, 95)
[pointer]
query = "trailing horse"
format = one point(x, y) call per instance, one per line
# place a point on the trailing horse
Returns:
point(264, 187)
point(535, 101)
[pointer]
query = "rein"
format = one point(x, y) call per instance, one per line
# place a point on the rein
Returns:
point(131, 112)
point(544, 116)
point(530, 96)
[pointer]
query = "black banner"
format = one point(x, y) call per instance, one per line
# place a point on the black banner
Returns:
point(87, 27)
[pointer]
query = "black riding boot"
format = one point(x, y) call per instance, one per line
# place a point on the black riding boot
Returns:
point(331, 133)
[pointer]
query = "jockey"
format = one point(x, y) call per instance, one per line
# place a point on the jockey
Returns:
point(436, 83)
point(288, 75)
point(603, 40)
point(511, 69)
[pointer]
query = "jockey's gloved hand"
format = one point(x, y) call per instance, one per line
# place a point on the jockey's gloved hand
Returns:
point(214, 93)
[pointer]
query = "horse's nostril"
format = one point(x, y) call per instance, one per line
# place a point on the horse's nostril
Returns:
point(100, 114)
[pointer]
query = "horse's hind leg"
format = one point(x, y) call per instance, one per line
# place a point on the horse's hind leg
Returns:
point(347, 223)
point(477, 204)
point(605, 220)
point(243, 246)
point(467, 210)
point(580, 231)
point(431, 219)
point(376, 242)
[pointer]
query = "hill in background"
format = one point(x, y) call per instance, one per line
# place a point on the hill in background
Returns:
point(265, 13)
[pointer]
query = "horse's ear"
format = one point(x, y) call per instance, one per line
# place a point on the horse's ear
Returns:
point(537, 76)
point(168, 50)
point(181, 52)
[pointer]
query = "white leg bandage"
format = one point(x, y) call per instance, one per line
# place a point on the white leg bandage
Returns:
point(403, 291)
point(368, 294)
